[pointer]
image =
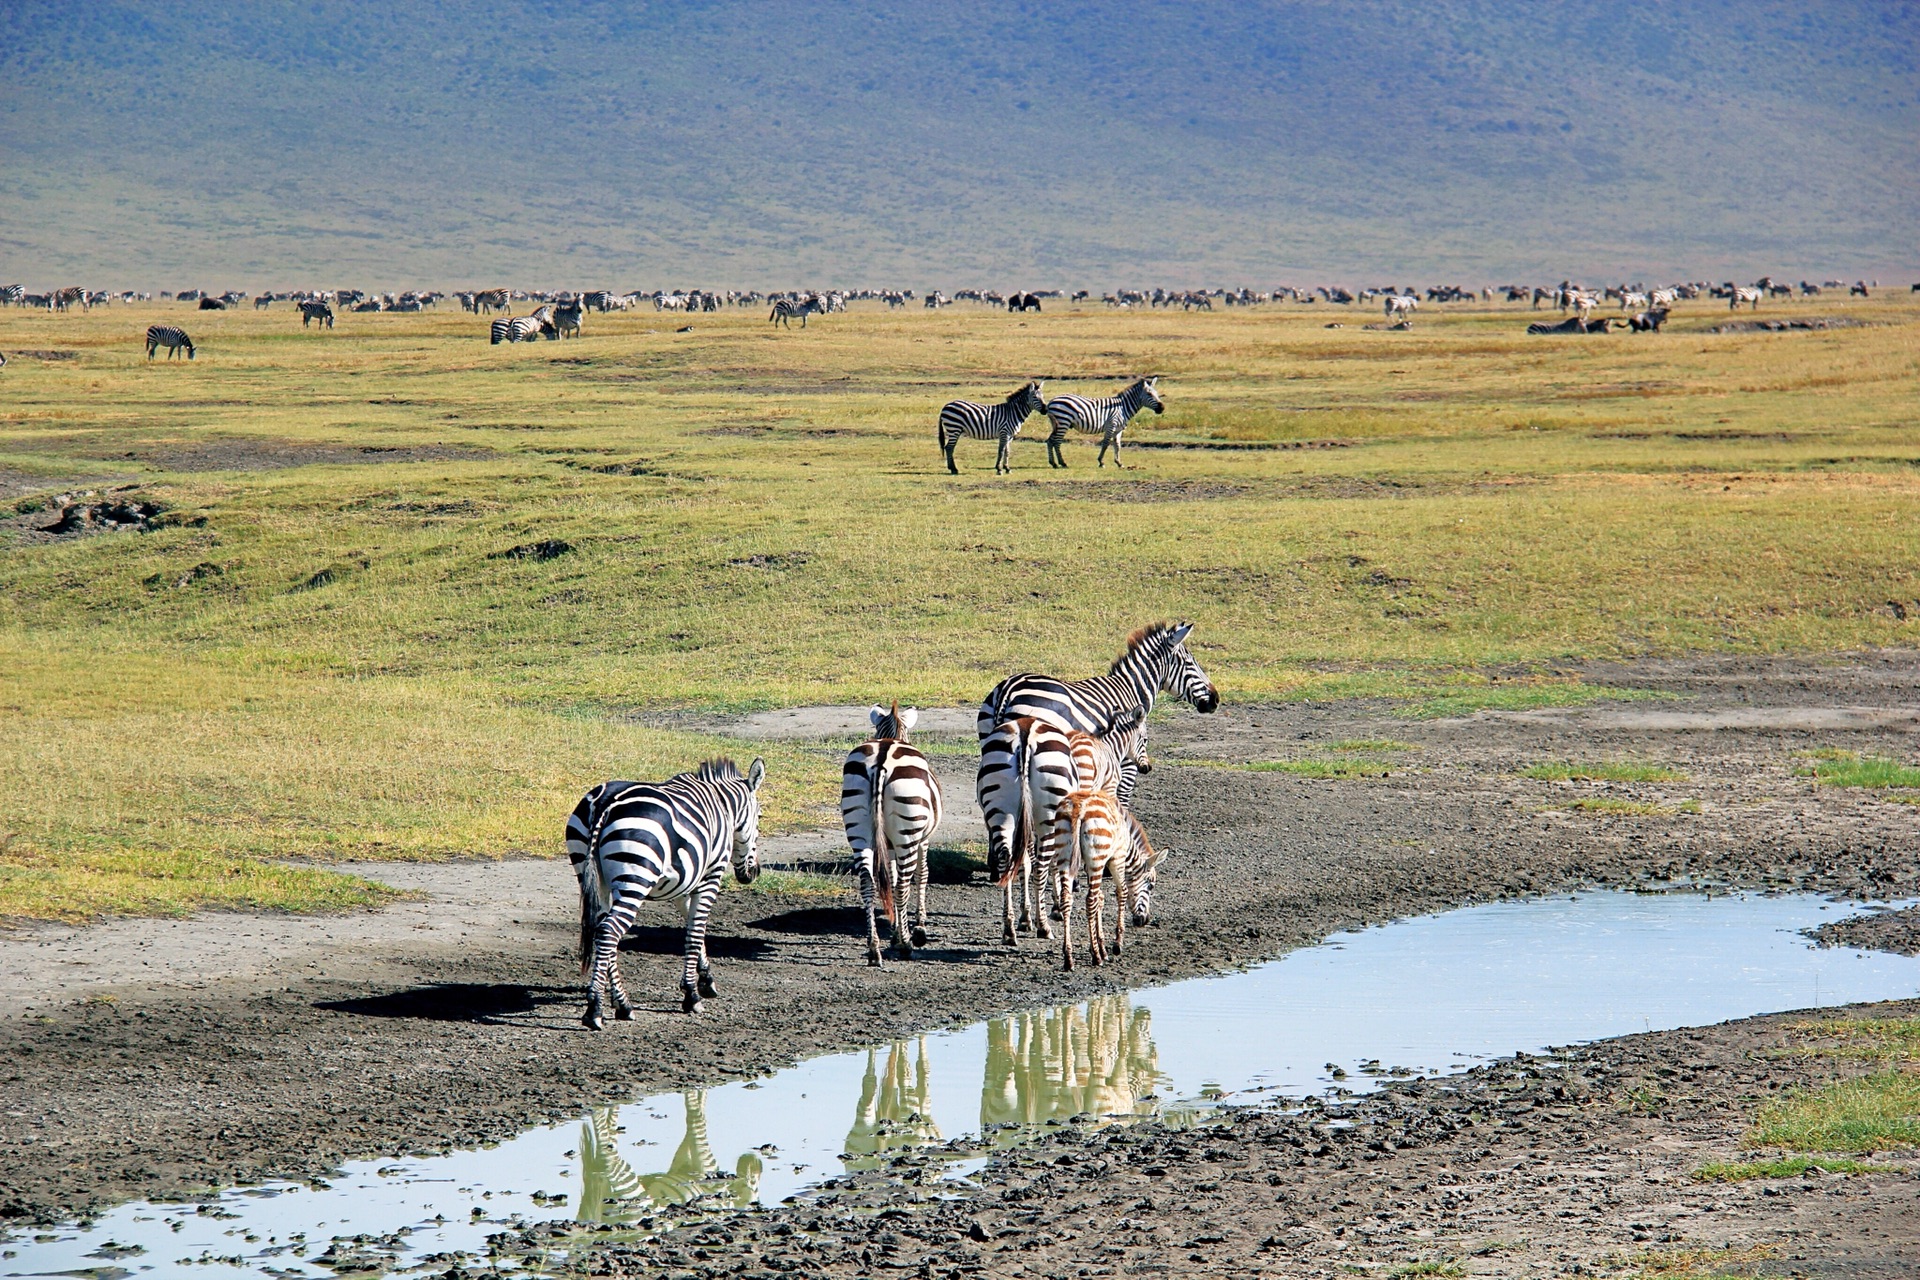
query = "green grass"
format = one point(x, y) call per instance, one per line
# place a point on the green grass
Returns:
point(323, 654)
point(1849, 769)
point(1784, 1167)
point(1868, 1113)
point(796, 884)
point(1428, 1268)
point(1885, 1038)
point(1603, 771)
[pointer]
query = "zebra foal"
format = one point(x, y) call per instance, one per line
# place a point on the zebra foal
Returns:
point(1105, 417)
point(1000, 422)
point(890, 804)
point(634, 841)
point(1105, 838)
point(174, 340)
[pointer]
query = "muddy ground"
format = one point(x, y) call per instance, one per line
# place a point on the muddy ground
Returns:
point(421, 1039)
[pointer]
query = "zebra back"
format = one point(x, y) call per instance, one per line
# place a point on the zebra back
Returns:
point(1156, 660)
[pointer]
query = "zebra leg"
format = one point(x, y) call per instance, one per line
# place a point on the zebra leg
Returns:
point(902, 946)
point(606, 961)
point(947, 447)
point(865, 870)
point(925, 861)
point(1066, 919)
point(1123, 896)
point(696, 976)
point(1002, 460)
point(1096, 911)
point(1007, 935)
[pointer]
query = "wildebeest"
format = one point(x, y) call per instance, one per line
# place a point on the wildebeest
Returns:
point(1859, 290)
point(1024, 302)
point(212, 304)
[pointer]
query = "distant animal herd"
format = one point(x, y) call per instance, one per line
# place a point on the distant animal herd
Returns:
point(1059, 760)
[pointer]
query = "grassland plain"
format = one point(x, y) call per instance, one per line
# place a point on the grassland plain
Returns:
point(409, 592)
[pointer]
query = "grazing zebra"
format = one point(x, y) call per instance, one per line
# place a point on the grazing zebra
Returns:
point(174, 340)
point(64, 298)
point(1106, 417)
point(1027, 769)
point(1155, 661)
point(12, 293)
point(632, 841)
point(1401, 305)
point(1097, 840)
point(488, 301)
point(890, 803)
point(519, 329)
point(785, 310)
point(1001, 422)
point(311, 311)
point(1750, 296)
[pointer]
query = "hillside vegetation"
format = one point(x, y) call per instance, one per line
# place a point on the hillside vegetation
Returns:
point(998, 144)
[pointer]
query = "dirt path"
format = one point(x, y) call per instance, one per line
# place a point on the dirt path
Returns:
point(281, 1047)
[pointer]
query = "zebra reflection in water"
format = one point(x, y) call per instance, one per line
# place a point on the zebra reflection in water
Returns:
point(1096, 1059)
point(895, 1112)
point(612, 1192)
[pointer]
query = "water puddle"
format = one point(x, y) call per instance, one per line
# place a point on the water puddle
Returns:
point(1420, 996)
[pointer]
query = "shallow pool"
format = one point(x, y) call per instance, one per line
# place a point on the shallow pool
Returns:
point(1426, 995)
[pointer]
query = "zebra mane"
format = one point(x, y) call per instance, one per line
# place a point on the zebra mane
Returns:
point(1148, 637)
point(719, 770)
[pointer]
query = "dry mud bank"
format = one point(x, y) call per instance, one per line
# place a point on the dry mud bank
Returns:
point(394, 1043)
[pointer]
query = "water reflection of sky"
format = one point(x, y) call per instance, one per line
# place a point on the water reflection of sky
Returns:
point(1433, 993)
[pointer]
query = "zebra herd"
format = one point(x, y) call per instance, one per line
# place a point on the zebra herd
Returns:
point(1104, 416)
point(1058, 764)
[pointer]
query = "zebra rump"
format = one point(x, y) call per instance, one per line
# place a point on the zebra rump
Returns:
point(890, 804)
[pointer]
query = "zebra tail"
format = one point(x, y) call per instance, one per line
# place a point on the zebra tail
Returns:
point(882, 855)
point(596, 898)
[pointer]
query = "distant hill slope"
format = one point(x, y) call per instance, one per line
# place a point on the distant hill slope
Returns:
point(999, 143)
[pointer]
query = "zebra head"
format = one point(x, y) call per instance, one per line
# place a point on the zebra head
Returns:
point(1142, 886)
point(1128, 739)
point(746, 830)
point(893, 724)
point(1157, 655)
point(1031, 398)
point(1149, 393)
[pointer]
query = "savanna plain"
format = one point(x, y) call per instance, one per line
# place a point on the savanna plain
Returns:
point(1491, 615)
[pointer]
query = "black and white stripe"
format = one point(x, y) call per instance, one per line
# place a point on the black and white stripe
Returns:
point(1001, 422)
point(174, 340)
point(633, 841)
point(785, 309)
point(1028, 767)
point(1156, 661)
point(311, 311)
point(1106, 417)
point(890, 804)
point(519, 329)
point(12, 293)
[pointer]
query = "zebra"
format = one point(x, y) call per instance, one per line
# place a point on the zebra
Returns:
point(1027, 768)
point(488, 301)
point(1106, 417)
point(311, 311)
point(519, 329)
point(1001, 422)
point(1156, 660)
point(566, 320)
point(785, 310)
point(610, 1189)
point(11, 294)
point(1401, 305)
point(165, 335)
point(890, 803)
point(64, 298)
point(632, 841)
point(1105, 837)
point(1749, 296)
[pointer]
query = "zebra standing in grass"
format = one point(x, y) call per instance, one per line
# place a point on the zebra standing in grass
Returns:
point(311, 311)
point(12, 293)
point(519, 329)
point(1027, 769)
point(786, 309)
point(890, 802)
point(565, 319)
point(174, 340)
point(1105, 417)
point(632, 841)
point(1001, 422)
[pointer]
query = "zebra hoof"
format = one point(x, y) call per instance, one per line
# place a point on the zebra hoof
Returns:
point(919, 937)
point(623, 1012)
point(689, 1002)
point(873, 960)
point(707, 988)
point(593, 1020)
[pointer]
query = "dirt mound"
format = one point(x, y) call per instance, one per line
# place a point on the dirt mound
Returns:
point(1784, 326)
point(1895, 931)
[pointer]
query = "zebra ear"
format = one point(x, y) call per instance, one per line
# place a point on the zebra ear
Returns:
point(1129, 719)
point(756, 774)
point(875, 714)
point(1181, 632)
point(909, 717)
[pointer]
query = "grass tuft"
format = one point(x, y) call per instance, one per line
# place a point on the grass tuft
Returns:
point(1868, 1113)
point(1785, 1167)
point(1603, 771)
point(1847, 769)
point(1697, 1263)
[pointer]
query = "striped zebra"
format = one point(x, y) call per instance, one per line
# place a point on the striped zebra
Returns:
point(1001, 422)
point(1106, 417)
point(488, 301)
point(174, 340)
point(1750, 296)
point(1027, 768)
point(12, 293)
point(311, 311)
point(1105, 838)
point(890, 803)
point(1156, 660)
point(611, 1191)
point(519, 329)
point(786, 309)
point(64, 298)
point(633, 841)
point(565, 320)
